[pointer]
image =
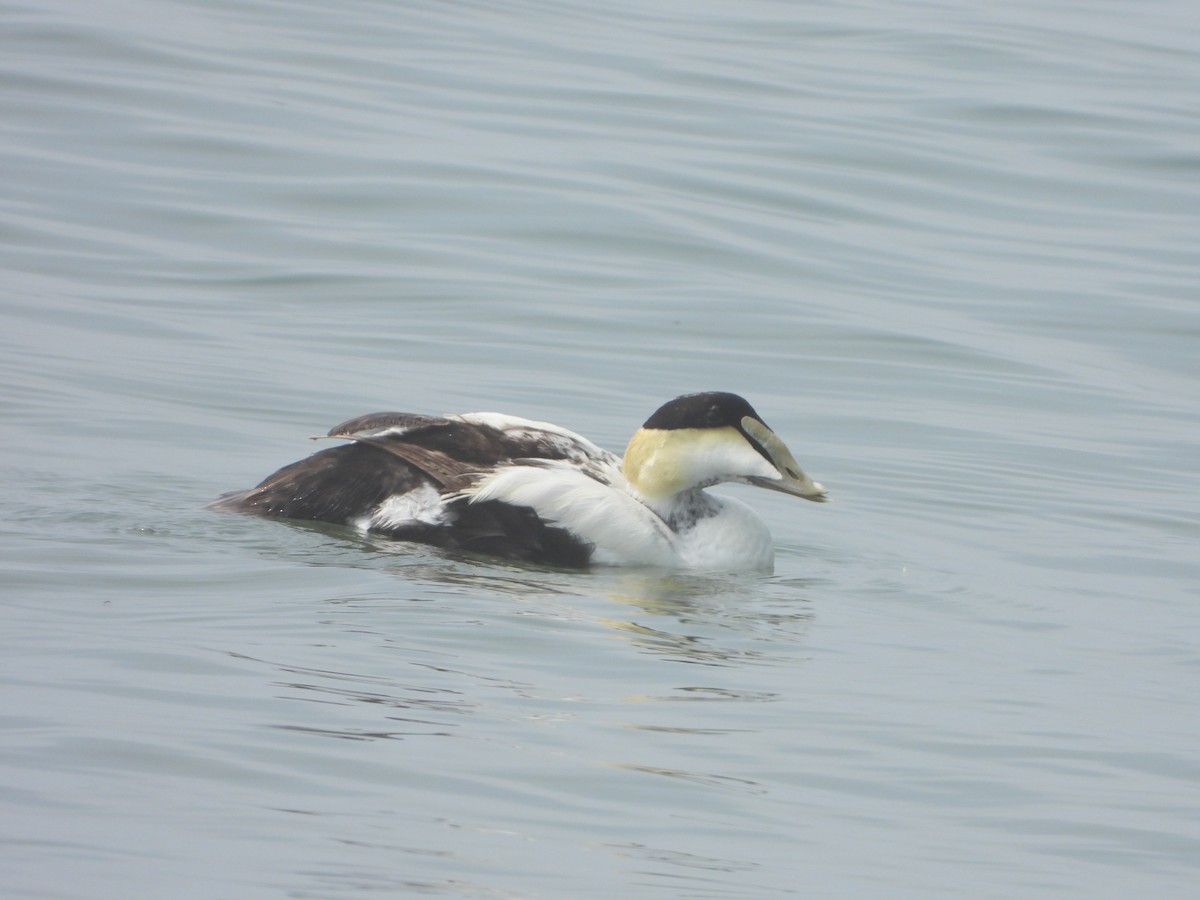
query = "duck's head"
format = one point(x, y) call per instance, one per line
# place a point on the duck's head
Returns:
point(701, 439)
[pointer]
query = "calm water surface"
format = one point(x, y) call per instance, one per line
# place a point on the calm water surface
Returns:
point(948, 251)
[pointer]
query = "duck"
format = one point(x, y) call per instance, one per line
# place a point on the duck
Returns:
point(499, 485)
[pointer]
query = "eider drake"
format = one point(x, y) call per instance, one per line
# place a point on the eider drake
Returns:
point(505, 486)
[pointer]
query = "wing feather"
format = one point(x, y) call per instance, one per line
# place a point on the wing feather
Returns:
point(479, 481)
point(610, 519)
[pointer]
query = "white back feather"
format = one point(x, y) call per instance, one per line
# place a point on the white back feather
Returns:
point(622, 530)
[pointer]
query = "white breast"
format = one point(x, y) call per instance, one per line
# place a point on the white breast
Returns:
point(734, 539)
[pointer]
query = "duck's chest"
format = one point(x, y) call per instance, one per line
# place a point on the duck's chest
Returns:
point(714, 532)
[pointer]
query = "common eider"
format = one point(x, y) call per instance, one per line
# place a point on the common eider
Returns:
point(505, 486)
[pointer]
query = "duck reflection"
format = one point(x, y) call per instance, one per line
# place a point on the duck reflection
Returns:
point(709, 620)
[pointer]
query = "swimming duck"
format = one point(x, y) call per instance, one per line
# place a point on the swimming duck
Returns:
point(511, 487)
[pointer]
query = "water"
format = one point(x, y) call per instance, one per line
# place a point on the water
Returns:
point(946, 249)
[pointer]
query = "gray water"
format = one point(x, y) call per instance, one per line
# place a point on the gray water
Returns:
point(948, 250)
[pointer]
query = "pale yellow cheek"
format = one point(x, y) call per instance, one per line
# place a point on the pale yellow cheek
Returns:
point(659, 463)
point(650, 465)
point(661, 477)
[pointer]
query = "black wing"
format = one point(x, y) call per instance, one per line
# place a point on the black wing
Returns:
point(396, 453)
point(392, 453)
